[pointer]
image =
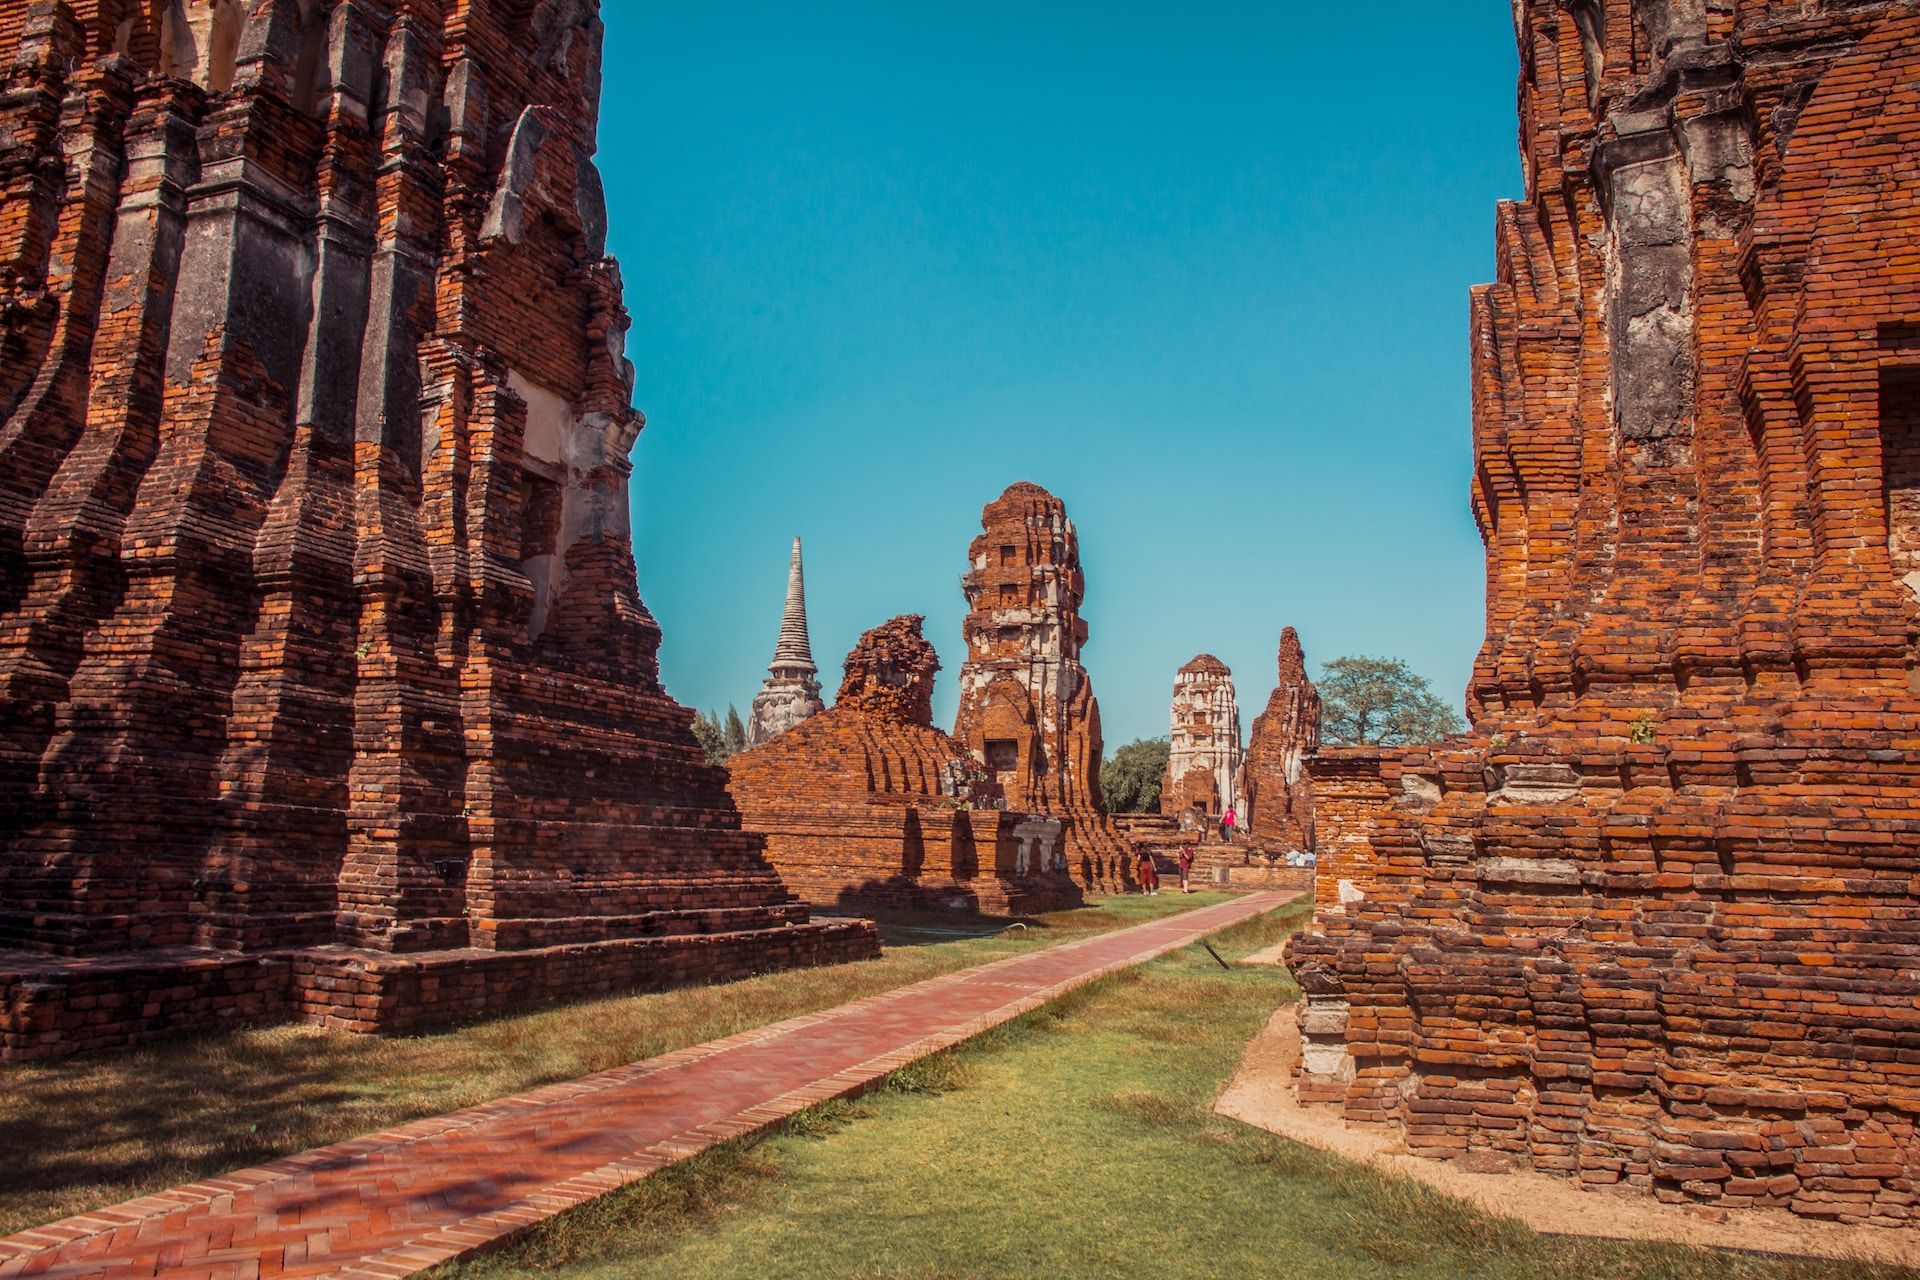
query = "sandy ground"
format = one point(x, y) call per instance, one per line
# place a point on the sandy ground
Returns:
point(1259, 1095)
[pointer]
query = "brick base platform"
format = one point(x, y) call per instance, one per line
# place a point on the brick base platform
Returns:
point(52, 1006)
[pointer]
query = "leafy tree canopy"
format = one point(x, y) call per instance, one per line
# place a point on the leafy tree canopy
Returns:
point(1381, 702)
point(1130, 777)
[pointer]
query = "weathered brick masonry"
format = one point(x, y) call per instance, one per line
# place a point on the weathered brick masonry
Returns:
point(1277, 809)
point(868, 804)
point(1203, 745)
point(1027, 709)
point(1657, 920)
point(325, 685)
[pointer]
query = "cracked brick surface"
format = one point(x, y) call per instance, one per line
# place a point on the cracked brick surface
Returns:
point(1656, 921)
point(320, 636)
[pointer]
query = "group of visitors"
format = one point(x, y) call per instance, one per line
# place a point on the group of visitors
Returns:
point(1149, 874)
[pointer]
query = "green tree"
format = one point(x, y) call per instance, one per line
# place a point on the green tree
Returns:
point(1381, 702)
point(713, 738)
point(736, 732)
point(1130, 777)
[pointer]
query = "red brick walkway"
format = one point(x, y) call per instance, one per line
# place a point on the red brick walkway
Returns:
point(392, 1203)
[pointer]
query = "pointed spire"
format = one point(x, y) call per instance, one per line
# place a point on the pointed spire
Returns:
point(794, 649)
point(791, 693)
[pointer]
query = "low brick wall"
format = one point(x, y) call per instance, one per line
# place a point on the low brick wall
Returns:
point(52, 1007)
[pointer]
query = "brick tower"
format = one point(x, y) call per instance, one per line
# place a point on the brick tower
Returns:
point(325, 684)
point(1027, 709)
point(1203, 757)
point(1278, 796)
point(1656, 921)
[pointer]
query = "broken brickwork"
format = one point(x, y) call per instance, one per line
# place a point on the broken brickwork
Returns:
point(1203, 756)
point(325, 685)
point(1656, 921)
point(1279, 800)
point(867, 804)
point(1027, 710)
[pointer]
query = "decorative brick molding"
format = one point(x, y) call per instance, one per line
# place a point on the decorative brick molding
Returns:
point(318, 616)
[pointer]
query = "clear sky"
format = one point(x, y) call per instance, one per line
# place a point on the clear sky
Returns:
point(1200, 268)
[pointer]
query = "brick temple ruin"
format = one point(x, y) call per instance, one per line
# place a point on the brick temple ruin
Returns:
point(1277, 798)
point(867, 804)
point(791, 691)
point(1656, 921)
point(1027, 709)
point(1203, 744)
point(326, 690)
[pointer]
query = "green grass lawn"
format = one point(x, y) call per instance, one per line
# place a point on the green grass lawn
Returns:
point(1076, 1141)
point(93, 1131)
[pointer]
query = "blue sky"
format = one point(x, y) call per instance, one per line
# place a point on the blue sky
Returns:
point(1200, 268)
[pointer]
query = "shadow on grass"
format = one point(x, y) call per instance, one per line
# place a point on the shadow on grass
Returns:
point(95, 1130)
point(1143, 1098)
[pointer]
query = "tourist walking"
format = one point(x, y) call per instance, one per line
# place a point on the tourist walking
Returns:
point(1226, 826)
point(1186, 867)
point(1149, 876)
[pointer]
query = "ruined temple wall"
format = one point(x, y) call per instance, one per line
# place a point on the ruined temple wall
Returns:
point(867, 804)
point(319, 620)
point(1654, 922)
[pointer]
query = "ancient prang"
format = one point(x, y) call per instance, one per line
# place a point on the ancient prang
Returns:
point(1203, 757)
point(868, 804)
point(1278, 799)
point(325, 685)
point(792, 691)
point(1656, 921)
point(1027, 710)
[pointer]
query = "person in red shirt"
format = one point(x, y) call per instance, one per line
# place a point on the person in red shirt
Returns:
point(1149, 877)
point(1186, 867)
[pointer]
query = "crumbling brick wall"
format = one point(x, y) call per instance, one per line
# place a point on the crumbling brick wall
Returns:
point(868, 804)
point(1027, 710)
point(1656, 921)
point(318, 612)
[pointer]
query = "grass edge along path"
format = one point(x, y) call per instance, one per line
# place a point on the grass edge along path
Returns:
point(394, 1203)
point(90, 1132)
point(909, 1182)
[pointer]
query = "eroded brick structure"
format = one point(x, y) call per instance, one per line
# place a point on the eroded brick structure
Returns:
point(1657, 920)
point(1027, 709)
point(791, 691)
point(325, 686)
point(1278, 801)
point(1203, 755)
point(868, 804)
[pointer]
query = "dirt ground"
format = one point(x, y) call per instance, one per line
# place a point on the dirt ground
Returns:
point(1259, 1095)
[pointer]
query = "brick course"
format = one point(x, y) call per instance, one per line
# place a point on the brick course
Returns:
point(1656, 921)
point(318, 616)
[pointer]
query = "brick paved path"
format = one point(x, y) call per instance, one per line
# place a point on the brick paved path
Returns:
point(392, 1203)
